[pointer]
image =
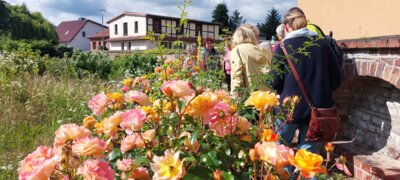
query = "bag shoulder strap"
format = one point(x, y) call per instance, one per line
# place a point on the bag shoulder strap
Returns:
point(296, 76)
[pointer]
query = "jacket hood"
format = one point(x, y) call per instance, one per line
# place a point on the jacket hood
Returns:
point(260, 54)
point(303, 32)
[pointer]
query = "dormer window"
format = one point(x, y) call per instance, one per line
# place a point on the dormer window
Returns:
point(66, 33)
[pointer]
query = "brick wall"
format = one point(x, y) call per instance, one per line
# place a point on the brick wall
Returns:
point(369, 103)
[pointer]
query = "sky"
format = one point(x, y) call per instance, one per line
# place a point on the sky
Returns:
point(56, 11)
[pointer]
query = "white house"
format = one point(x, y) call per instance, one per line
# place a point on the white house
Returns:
point(128, 30)
point(75, 33)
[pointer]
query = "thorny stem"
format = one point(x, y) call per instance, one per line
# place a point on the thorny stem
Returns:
point(260, 124)
point(144, 141)
point(255, 170)
point(269, 170)
point(262, 169)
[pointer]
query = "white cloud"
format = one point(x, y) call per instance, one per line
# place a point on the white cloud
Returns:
point(55, 11)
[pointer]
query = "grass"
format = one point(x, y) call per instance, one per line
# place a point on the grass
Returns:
point(33, 107)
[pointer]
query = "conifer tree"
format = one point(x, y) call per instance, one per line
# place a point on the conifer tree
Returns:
point(235, 20)
point(220, 15)
point(272, 20)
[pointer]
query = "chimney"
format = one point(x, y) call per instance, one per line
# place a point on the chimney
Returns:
point(82, 19)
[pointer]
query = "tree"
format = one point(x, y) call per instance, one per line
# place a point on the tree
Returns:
point(220, 15)
point(272, 20)
point(236, 20)
point(4, 16)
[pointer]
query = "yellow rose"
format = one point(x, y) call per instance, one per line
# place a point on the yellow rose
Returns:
point(262, 100)
point(308, 163)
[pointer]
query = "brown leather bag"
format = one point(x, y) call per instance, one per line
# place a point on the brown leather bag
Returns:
point(324, 122)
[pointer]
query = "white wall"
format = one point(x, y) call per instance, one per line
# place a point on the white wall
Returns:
point(83, 43)
point(131, 26)
point(135, 45)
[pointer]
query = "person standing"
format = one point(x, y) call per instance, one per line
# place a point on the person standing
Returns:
point(247, 59)
point(227, 63)
point(209, 56)
point(317, 68)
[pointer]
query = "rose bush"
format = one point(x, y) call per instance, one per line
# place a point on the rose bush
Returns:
point(171, 124)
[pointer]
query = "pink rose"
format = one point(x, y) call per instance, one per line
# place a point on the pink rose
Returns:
point(96, 169)
point(40, 164)
point(70, 132)
point(140, 173)
point(125, 164)
point(89, 146)
point(110, 124)
point(277, 155)
point(125, 88)
point(134, 141)
point(177, 88)
point(138, 97)
point(99, 103)
point(133, 120)
point(220, 120)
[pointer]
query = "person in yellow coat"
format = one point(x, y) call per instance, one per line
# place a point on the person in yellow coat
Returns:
point(247, 58)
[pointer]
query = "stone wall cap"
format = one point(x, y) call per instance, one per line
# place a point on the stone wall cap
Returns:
point(379, 42)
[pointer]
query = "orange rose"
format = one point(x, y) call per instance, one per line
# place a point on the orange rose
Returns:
point(308, 163)
point(89, 121)
point(269, 135)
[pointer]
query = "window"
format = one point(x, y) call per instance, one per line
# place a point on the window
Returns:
point(116, 29)
point(198, 29)
point(136, 27)
point(94, 43)
point(125, 29)
point(157, 25)
point(83, 34)
point(129, 46)
point(122, 46)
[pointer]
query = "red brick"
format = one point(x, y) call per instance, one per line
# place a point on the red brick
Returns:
point(378, 172)
point(387, 72)
point(365, 166)
point(382, 43)
point(398, 84)
point(393, 43)
point(362, 44)
point(395, 76)
point(397, 62)
point(379, 70)
point(387, 60)
point(372, 43)
point(372, 69)
point(358, 174)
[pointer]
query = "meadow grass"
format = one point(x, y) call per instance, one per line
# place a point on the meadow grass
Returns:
point(32, 107)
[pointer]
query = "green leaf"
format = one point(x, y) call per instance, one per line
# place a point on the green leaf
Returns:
point(114, 154)
point(141, 160)
point(211, 160)
point(198, 173)
point(227, 175)
point(193, 137)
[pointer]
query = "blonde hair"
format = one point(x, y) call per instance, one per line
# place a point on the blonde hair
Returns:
point(295, 18)
point(245, 33)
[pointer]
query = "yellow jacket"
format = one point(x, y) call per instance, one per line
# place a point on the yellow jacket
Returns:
point(246, 67)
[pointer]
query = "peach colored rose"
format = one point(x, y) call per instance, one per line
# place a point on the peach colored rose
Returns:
point(177, 88)
point(140, 173)
point(200, 105)
point(110, 124)
point(98, 104)
point(138, 97)
point(220, 120)
point(69, 132)
point(191, 147)
point(222, 95)
point(133, 120)
point(242, 125)
point(272, 153)
point(125, 164)
point(134, 141)
point(40, 164)
point(89, 121)
point(89, 146)
point(96, 169)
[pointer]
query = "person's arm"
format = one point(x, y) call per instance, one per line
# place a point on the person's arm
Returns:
point(236, 72)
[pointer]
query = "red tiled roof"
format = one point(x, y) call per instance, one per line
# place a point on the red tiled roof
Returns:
point(106, 34)
point(67, 30)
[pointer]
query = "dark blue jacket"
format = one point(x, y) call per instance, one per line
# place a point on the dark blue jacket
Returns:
point(319, 71)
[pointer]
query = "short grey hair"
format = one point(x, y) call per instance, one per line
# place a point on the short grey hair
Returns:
point(279, 30)
point(190, 48)
point(246, 33)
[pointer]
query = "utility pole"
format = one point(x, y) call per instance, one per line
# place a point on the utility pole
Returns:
point(102, 30)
